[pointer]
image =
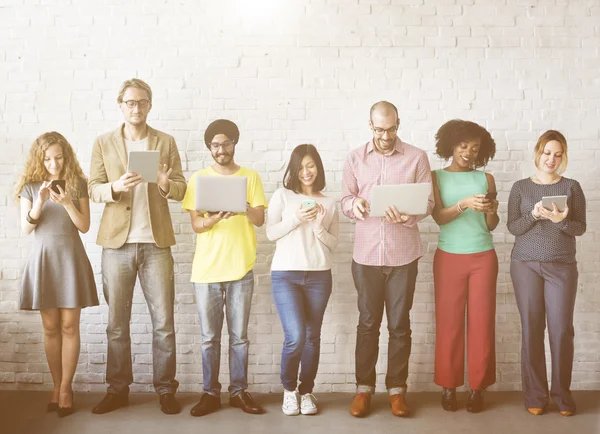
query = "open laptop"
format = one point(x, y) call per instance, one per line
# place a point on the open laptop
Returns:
point(409, 199)
point(221, 193)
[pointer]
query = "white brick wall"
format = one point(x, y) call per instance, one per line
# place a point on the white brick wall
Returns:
point(288, 73)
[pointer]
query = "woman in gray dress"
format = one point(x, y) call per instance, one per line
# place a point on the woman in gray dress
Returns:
point(58, 279)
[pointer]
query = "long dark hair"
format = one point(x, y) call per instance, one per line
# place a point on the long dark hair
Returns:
point(290, 177)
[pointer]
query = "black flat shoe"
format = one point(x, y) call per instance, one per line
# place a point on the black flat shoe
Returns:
point(475, 401)
point(52, 407)
point(449, 399)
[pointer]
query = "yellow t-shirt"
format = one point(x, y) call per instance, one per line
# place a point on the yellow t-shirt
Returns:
point(227, 252)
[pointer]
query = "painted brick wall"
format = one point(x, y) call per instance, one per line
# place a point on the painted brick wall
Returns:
point(289, 73)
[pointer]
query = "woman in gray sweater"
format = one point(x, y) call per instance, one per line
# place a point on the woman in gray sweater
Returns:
point(544, 272)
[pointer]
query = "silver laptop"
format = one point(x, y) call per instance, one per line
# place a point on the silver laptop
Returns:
point(221, 193)
point(409, 199)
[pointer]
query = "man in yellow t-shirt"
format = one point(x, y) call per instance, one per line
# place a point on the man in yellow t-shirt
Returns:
point(222, 272)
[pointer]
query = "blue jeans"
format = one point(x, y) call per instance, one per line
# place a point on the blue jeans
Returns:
point(236, 296)
point(301, 298)
point(154, 266)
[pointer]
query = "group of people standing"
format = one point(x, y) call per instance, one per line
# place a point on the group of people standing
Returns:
point(136, 234)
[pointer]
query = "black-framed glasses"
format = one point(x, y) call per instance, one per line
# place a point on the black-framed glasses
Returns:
point(131, 103)
point(226, 145)
point(382, 131)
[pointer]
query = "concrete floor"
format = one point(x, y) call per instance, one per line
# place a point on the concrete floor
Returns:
point(24, 413)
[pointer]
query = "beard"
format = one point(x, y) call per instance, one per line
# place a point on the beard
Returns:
point(387, 146)
point(224, 159)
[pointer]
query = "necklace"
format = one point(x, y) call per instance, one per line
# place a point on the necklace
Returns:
point(539, 181)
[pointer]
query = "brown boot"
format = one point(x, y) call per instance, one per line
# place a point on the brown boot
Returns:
point(361, 404)
point(399, 406)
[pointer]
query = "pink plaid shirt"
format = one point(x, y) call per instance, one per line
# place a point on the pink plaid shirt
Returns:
point(377, 242)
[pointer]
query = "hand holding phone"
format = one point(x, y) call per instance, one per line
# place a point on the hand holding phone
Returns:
point(55, 183)
point(307, 211)
point(309, 203)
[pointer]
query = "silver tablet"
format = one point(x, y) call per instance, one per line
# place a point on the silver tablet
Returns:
point(560, 201)
point(221, 193)
point(144, 163)
point(409, 199)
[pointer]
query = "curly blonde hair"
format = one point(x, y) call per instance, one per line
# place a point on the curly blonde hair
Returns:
point(35, 171)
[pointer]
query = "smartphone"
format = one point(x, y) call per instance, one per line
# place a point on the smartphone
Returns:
point(309, 203)
point(54, 185)
point(491, 195)
point(560, 201)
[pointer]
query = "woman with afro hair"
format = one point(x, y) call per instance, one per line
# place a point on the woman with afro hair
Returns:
point(465, 265)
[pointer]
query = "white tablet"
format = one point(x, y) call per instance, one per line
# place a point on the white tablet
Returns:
point(144, 163)
point(221, 193)
point(409, 199)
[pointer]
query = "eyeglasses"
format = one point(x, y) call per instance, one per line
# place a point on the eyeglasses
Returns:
point(131, 103)
point(226, 144)
point(382, 131)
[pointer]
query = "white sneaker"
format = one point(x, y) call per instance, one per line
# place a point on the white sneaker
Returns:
point(290, 404)
point(308, 404)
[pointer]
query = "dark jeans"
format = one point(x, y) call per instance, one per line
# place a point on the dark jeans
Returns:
point(301, 298)
point(154, 267)
point(394, 288)
point(545, 291)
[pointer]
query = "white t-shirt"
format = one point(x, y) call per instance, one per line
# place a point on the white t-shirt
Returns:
point(301, 246)
point(140, 230)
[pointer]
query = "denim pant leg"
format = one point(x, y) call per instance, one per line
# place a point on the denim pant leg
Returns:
point(238, 300)
point(287, 295)
point(158, 285)
point(316, 291)
point(209, 301)
point(119, 271)
point(370, 286)
point(399, 293)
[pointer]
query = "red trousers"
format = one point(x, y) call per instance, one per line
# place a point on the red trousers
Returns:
point(465, 280)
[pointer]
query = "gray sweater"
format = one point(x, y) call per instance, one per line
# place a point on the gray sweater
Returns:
point(542, 240)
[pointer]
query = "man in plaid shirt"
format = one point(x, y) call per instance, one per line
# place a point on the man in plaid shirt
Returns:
point(386, 255)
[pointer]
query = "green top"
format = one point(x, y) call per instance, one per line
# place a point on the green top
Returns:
point(467, 233)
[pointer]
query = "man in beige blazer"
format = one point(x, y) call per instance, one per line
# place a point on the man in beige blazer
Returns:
point(136, 234)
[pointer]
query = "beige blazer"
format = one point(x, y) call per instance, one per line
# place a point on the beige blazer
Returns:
point(109, 163)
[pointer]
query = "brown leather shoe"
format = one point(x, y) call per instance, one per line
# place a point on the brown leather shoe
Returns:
point(535, 411)
point(245, 401)
point(567, 413)
point(361, 404)
point(399, 406)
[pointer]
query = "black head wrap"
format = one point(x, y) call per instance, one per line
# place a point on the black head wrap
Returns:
point(221, 126)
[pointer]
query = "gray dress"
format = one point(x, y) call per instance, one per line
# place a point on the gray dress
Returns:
point(58, 273)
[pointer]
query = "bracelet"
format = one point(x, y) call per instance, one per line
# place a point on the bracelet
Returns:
point(31, 220)
point(533, 215)
point(458, 208)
